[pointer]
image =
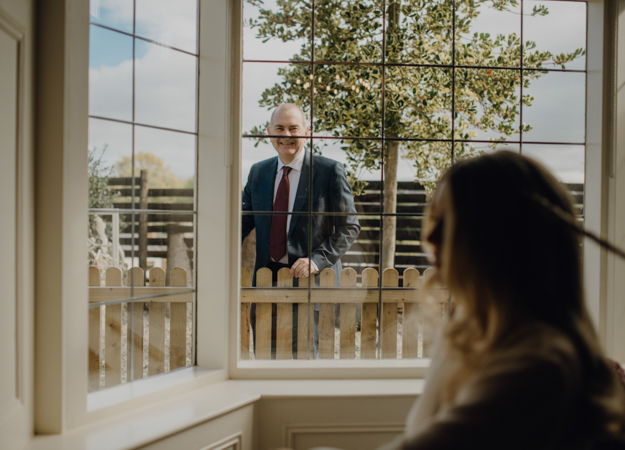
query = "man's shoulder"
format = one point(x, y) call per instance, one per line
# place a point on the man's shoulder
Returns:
point(265, 163)
point(322, 161)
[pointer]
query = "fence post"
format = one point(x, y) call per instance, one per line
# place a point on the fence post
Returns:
point(136, 277)
point(246, 281)
point(262, 344)
point(156, 362)
point(433, 310)
point(177, 323)
point(368, 328)
point(94, 335)
point(410, 332)
point(303, 324)
point(284, 319)
point(143, 220)
point(348, 318)
point(326, 318)
point(390, 278)
point(113, 333)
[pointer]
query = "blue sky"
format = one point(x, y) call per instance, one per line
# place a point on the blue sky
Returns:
point(165, 82)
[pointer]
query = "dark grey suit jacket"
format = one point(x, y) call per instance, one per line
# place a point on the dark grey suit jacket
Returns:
point(331, 235)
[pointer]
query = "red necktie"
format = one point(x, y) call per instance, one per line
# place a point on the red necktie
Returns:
point(277, 239)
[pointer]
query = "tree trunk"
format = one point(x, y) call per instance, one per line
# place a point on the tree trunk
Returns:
point(177, 249)
point(391, 156)
point(143, 221)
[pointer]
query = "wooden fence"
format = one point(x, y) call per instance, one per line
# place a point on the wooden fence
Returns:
point(152, 231)
point(145, 337)
point(409, 321)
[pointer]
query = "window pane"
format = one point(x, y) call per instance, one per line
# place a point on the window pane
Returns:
point(555, 34)
point(169, 23)
point(558, 107)
point(165, 87)
point(419, 32)
point(361, 160)
point(349, 32)
point(142, 187)
point(487, 104)
point(347, 101)
point(566, 162)
point(489, 35)
point(110, 74)
point(274, 321)
point(169, 159)
point(266, 85)
point(116, 14)
point(274, 33)
point(418, 102)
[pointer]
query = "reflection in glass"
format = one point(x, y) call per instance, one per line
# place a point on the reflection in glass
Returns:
point(554, 34)
point(487, 104)
point(169, 159)
point(116, 14)
point(349, 32)
point(286, 38)
point(169, 23)
point(488, 36)
point(110, 74)
point(419, 32)
point(347, 101)
point(566, 162)
point(558, 107)
point(165, 87)
point(418, 102)
point(266, 85)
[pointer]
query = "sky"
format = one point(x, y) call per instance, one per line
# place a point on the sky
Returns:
point(166, 79)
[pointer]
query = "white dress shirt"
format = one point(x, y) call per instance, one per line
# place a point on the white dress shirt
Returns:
point(294, 176)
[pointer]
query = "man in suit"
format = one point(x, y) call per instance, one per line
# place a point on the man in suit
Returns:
point(281, 185)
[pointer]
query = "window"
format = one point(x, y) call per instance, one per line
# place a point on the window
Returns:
point(143, 138)
point(395, 92)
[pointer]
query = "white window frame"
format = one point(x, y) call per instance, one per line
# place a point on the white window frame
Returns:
point(61, 349)
point(597, 216)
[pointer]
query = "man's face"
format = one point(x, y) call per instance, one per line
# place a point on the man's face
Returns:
point(287, 122)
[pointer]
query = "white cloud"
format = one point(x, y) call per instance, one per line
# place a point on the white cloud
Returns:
point(165, 88)
point(169, 22)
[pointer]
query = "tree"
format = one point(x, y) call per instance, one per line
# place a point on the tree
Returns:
point(100, 195)
point(417, 104)
point(160, 175)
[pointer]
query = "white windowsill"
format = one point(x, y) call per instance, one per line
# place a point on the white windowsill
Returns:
point(176, 413)
point(130, 391)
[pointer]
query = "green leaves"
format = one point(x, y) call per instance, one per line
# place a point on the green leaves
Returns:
point(417, 100)
point(100, 195)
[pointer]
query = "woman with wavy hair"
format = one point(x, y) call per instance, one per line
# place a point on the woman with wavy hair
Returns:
point(519, 365)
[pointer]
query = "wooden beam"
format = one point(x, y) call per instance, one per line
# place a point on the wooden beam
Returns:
point(342, 295)
point(174, 294)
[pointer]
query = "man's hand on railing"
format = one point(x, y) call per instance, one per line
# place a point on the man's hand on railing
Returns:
point(303, 267)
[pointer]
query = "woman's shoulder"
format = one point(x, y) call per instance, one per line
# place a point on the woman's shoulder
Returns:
point(534, 347)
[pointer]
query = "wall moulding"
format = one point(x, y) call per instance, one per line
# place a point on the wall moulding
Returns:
point(302, 436)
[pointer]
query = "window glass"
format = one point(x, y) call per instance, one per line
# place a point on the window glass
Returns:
point(390, 106)
point(142, 184)
point(115, 14)
point(169, 23)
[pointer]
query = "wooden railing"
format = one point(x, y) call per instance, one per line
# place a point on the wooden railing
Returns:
point(148, 336)
point(409, 321)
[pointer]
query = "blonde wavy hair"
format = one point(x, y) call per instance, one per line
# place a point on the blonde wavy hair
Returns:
point(510, 256)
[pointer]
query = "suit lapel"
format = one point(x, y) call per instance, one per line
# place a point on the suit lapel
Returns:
point(268, 185)
point(301, 198)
